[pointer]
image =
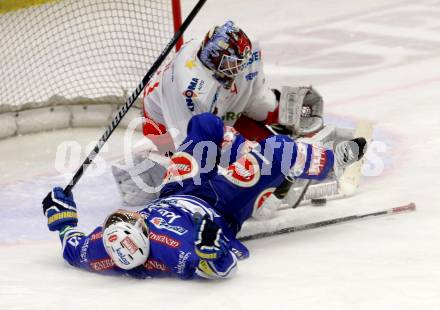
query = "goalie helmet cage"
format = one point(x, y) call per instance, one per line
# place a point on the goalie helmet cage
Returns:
point(71, 63)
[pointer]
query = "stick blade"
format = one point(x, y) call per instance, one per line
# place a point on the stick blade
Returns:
point(405, 208)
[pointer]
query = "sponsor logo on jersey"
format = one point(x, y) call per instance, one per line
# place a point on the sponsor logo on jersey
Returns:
point(318, 161)
point(83, 253)
point(183, 257)
point(301, 158)
point(160, 223)
point(230, 116)
point(245, 172)
point(256, 56)
point(171, 216)
point(251, 76)
point(200, 86)
point(155, 265)
point(182, 166)
point(190, 63)
point(129, 245)
point(190, 93)
point(74, 239)
point(164, 239)
point(262, 197)
point(96, 236)
point(102, 264)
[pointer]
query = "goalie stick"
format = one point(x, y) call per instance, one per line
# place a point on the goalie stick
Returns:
point(124, 109)
point(393, 211)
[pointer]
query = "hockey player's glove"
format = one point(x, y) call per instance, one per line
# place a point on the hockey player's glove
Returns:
point(348, 152)
point(60, 210)
point(209, 241)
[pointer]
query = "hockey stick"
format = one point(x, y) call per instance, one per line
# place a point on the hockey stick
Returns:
point(289, 180)
point(302, 194)
point(348, 182)
point(393, 211)
point(124, 109)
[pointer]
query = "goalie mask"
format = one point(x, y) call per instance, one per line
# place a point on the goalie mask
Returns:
point(125, 237)
point(226, 50)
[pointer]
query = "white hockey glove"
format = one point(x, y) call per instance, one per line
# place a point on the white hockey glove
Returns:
point(301, 109)
point(348, 152)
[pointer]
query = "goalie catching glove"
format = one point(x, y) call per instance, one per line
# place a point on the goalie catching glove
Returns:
point(301, 110)
point(209, 243)
point(60, 210)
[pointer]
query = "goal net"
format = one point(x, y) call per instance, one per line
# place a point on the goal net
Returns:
point(66, 53)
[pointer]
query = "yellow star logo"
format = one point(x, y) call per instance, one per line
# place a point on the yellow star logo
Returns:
point(190, 63)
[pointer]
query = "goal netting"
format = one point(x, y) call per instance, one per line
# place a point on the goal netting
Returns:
point(77, 54)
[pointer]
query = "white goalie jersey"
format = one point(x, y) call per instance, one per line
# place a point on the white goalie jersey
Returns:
point(184, 87)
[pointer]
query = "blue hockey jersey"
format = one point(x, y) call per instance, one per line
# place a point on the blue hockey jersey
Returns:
point(171, 235)
point(228, 196)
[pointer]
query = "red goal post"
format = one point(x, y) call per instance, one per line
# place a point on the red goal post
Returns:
point(177, 20)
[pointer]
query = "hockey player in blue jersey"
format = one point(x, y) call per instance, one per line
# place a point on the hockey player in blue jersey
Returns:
point(190, 231)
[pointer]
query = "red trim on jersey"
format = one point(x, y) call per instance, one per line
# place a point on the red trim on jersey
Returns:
point(177, 20)
point(251, 129)
point(272, 117)
point(151, 127)
point(158, 134)
point(149, 89)
point(234, 89)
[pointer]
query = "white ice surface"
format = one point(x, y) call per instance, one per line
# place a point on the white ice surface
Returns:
point(383, 263)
